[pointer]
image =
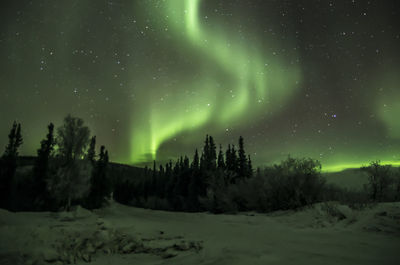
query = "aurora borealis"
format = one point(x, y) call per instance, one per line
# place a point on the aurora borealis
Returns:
point(152, 78)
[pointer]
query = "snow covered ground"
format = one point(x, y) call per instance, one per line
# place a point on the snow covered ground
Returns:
point(322, 234)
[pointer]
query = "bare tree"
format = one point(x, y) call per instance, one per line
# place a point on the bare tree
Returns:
point(71, 178)
point(72, 139)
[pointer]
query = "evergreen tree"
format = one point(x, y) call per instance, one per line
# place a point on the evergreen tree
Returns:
point(221, 162)
point(249, 167)
point(161, 170)
point(177, 168)
point(231, 159)
point(234, 158)
point(153, 185)
point(41, 169)
point(203, 166)
point(14, 141)
point(170, 181)
point(242, 161)
point(168, 169)
point(154, 169)
point(205, 160)
point(231, 164)
point(91, 154)
point(186, 164)
point(161, 182)
point(196, 162)
point(194, 185)
point(186, 172)
point(100, 185)
point(212, 156)
point(228, 157)
point(146, 171)
point(8, 164)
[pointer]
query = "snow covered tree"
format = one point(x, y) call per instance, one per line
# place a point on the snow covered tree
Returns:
point(70, 182)
point(71, 175)
point(72, 139)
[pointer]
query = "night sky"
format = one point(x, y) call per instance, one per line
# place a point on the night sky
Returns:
point(151, 78)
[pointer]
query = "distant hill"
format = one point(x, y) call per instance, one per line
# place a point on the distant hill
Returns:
point(352, 178)
point(116, 170)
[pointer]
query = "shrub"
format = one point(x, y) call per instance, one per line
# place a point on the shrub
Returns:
point(293, 183)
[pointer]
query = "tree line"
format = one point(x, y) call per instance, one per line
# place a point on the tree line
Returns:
point(181, 185)
point(68, 171)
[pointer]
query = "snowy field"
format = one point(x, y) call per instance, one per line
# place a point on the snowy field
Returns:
point(322, 234)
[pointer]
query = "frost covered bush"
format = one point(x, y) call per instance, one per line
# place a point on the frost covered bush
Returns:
point(70, 182)
point(292, 184)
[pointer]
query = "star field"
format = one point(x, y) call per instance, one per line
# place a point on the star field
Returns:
point(152, 78)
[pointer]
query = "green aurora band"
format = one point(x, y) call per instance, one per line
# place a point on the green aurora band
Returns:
point(151, 78)
point(257, 83)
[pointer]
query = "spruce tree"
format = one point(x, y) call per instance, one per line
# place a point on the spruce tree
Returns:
point(170, 182)
point(11, 141)
point(168, 169)
point(234, 165)
point(186, 164)
point(161, 170)
point(212, 156)
point(205, 160)
point(194, 185)
point(100, 186)
point(242, 161)
point(228, 157)
point(181, 165)
point(221, 162)
point(153, 185)
point(177, 168)
point(185, 177)
point(231, 159)
point(249, 167)
point(41, 169)
point(196, 161)
point(161, 182)
point(8, 164)
point(14, 141)
point(234, 158)
point(91, 154)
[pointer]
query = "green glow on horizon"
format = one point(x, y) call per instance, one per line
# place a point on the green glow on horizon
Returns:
point(256, 82)
point(341, 167)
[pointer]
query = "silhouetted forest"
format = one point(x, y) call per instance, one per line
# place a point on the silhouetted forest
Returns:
point(67, 171)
